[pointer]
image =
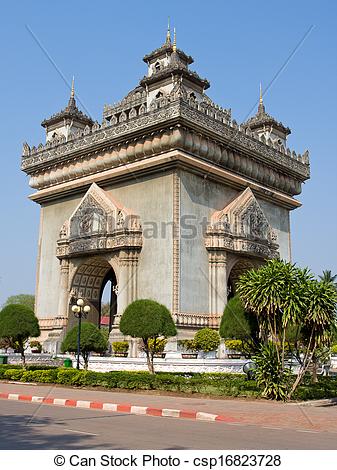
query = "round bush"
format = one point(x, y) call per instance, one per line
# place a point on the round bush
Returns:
point(207, 340)
point(120, 346)
point(234, 344)
point(147, 319)
point(18, 322)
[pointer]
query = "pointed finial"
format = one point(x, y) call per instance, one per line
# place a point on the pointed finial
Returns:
point(174, 40)
point(72, 101)
point(261, 108)
point(72, 95)
point(168, 34)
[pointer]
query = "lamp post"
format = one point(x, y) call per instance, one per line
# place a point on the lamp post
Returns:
point(80, 311)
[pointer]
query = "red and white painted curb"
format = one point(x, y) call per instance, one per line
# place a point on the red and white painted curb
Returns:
point(120, 408)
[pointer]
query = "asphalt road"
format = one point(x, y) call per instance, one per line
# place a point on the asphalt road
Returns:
point(32, 426)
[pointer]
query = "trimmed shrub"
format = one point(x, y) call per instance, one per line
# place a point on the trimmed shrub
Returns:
point(17, 324)
point(68, 376)
point(237, 324)
point(44, 376)
point(188, 344)
point(207, 340)
point(92, 340)
point(157, 346)
point(212, 384)
point(120, 346)
point(13, 374)
point(234, 344)
point(148, 320)
point(36, 345)
point(334, 349)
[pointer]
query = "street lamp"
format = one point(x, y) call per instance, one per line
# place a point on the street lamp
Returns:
point(80, 311)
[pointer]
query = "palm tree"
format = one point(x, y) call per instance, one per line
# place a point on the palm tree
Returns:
point(327, 276)
point(319, 323)
point(276, 294)
point(282, 296)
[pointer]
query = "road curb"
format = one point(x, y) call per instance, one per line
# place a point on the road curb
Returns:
point(321, 402)
point(121, 408)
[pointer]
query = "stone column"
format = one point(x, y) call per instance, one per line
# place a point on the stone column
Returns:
point(127, 290)
point(63, 306)
point(217, 284)
point(127, 280)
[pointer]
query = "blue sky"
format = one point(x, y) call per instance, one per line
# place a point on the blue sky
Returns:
point(235, 45)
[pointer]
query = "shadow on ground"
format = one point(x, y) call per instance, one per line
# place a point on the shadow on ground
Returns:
point(21, 432)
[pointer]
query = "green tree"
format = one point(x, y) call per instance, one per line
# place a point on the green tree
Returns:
point(150, 321)
point(105, 309)
point(327, 276)
point(318, 324)
point(206, 340)
point(236, 323)
point(92, 340)
point(282, 296)
point(23, 299)
point(17, 324)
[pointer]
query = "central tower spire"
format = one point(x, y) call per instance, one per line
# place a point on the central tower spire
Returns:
point(261, 109)
point(168, 34)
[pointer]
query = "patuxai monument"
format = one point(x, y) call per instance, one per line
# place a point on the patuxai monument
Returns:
point(168, 198)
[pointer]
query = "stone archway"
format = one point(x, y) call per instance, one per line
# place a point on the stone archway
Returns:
point(239, 267)
point(88, 283)
point(101, 239)
point(107, 319)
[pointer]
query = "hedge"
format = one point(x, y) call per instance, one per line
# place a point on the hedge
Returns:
point(210, 384)
point(213, 384)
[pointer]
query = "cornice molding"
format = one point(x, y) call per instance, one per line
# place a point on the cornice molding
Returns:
point(169, 162)
point(160, 143)
point(201, 118)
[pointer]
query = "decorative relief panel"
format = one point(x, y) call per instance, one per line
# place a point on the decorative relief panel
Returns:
point(242, 227)
point(99, 224)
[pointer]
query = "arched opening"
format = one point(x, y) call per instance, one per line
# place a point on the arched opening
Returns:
point(108, 301)
point(92, 281)
point(239, 268)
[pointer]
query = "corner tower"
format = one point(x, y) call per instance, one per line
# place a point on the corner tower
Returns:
point(67, 122)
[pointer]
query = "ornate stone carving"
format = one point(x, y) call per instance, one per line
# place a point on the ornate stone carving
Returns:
point(95, 127)
point(176, 242)
point(132, 113)
point(179, 107)
point(99, 224)
point(242, 227)
point(64, 232)
point(173, 138)
point(89, 218)
point(194, 319)
point(25, 149)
